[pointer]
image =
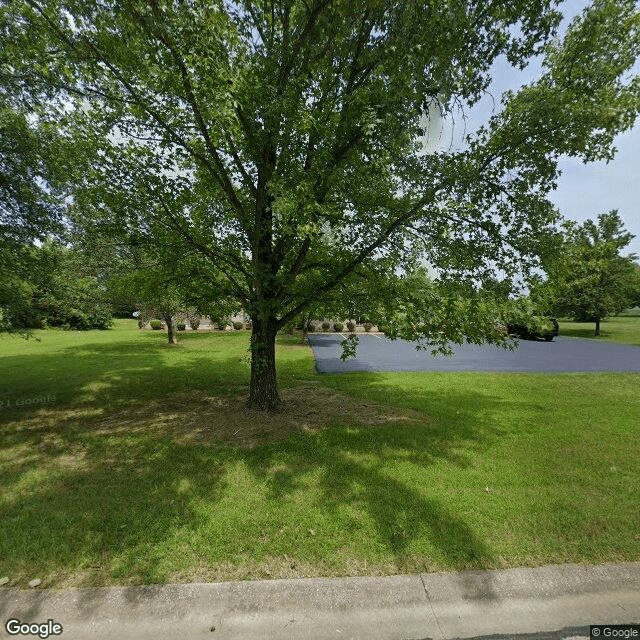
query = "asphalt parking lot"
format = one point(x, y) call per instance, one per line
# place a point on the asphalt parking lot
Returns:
point(377, 353)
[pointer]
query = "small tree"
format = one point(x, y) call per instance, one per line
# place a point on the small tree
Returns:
point(152, 287)
point(157, 298)
point(166, 283)
point(590, 277)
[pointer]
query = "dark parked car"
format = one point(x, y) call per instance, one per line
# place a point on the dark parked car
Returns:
point(548, 331)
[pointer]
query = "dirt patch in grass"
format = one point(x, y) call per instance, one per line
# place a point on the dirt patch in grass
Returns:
point(203, 418)
point(200, 417)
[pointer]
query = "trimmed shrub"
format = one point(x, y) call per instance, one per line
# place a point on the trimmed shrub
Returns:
point(194, 324)
point(310, 328)
point(156, 325)
point(326, 326)
point(351, 327)
point(338, 326)
point(181, 326)
point(367, 326)
point(237, 326)
point(140, 324)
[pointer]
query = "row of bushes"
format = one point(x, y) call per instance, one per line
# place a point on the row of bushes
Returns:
point(326, 326)
point(157, 325)
point(339, 326)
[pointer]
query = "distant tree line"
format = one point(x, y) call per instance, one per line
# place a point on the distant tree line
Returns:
point(51, 286)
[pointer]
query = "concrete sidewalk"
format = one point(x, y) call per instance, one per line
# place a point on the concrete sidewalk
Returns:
point(546, 603)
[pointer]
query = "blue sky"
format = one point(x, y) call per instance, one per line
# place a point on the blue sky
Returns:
point(584, 190)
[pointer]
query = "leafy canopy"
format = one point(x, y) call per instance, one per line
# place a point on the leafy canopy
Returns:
point(281, 140)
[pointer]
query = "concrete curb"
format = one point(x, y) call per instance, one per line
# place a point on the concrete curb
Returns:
point(558, 601)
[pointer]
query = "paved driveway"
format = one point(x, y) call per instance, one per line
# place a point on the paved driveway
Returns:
point(563, 354)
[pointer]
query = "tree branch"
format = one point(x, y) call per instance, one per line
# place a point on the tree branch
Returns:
point(359, 258)
point(214, 255)
point(221, 175)
point(316, 12)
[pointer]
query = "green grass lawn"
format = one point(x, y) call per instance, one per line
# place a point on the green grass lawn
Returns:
point(623, 328)
point(135, 462)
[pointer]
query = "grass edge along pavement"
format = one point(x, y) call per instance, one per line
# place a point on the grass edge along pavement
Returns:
point(133, 476)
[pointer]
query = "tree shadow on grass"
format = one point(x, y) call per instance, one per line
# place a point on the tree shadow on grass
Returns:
point(374, 478)
point(107, 516)
point(585, 332)
point(118, 372)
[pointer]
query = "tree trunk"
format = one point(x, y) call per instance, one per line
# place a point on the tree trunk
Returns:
point(263, 389)
point(171, 328)
point(597, 333)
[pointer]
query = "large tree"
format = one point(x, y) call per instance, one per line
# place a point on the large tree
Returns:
point(282, 139)
point(590, 277)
